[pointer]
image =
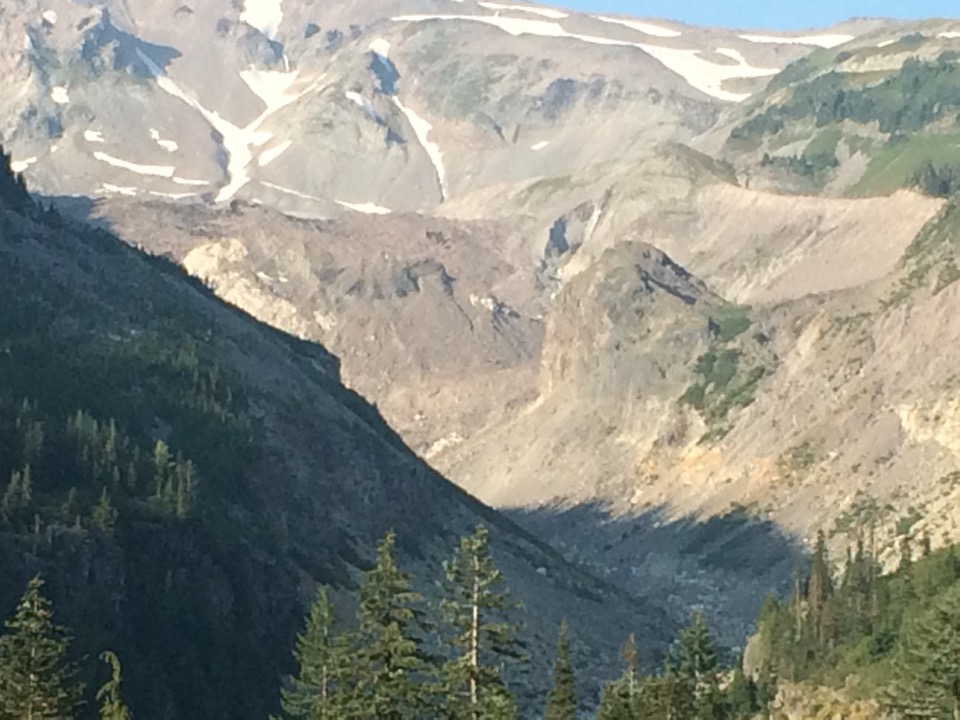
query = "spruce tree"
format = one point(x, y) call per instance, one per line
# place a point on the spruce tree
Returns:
point(697, 670)
point(104, 513)
point(742, 694)
point(391, 665)
point(623, 699)
point(110, 697)
point(562, 699)
point(927, 666)
point(321, 656)
point(36, 681)
point(473, 609)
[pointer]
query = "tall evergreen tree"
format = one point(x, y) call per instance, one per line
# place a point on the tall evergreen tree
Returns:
point(819, 588)
point(697, 670)
point(927, 666)
point(562, 699)
point(315, 692)
point(391, 665)
point(473, 608)
point(36, 680)
point(110, 697)
point(742, 694)
point(623, 699)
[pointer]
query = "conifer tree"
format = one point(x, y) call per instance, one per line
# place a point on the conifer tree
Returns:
point(314, 693)
point(104, 513)
point(562, 699)
point(623, 699)
point(36, 681)
point(927, 666)
point(819, 587)
point(110, 697)
point(742, 694)
point(473, 608)
point(391, 665)
point(697, 670)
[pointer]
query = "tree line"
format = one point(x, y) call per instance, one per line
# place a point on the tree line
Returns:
point(460, 657)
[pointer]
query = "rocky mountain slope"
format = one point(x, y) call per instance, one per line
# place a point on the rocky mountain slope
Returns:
point(270, 476)
point(625, 278)
point(364, 106)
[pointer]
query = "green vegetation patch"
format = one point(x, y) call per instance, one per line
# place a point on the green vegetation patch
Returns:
point(901, 161)
point(727, 377)
point(934, 248)
point(919, 94)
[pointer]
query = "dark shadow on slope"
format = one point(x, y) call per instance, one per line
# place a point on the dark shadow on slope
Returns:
point(723, 565)
point(124, 48)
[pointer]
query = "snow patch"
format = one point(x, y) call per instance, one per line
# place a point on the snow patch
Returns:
point(264, 15)
point(19, 166)
point(59, 95)
point(168, 145)
point(93, 136)
point(380, 47)
point(237, 141)
point(268, 156)
point(645, 28)
point(368, 208)
point(949, 35)
point(173, 196)
point(186, 181)
point(155, 170)
point(733, 55)
point(130, 191)
point(540, 145)
point(288, 191)
point(50, 17)
point(699, 73)
point(543, 12)
point(421, 129)
point(885, 43)
point(706, 76)
point(270, 86)
point(824, 41)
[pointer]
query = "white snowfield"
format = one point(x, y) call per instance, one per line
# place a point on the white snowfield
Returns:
point(50, 16)
point(645, 28)
point(824, 41)
point(186, 181)
point(168, 145)
point(540, 145)
point(949, 35)
point(93, 136)
point(885, 43)
point(264, 15)
point(238, 142)
point(288, 191)
point(367, 208)
point(733, 55)
point(59, 95)
point(421, 129)
point(268, 156)
point(130, 191)
point(542, 12)
point(165, 171)
point(19, 166)
point(701, 74)
point(380, 47)
point(173, 196)
point(270, 86)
